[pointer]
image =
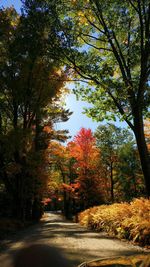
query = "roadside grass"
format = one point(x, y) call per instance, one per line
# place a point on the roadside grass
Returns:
point(129, 221)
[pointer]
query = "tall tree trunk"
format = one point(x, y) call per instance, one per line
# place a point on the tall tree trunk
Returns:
point(111, 182)
point(143, 150)
point(37, 132)
point(65, 200)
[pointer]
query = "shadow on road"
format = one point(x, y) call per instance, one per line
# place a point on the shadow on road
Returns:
point(56, 242)
point(39, 256)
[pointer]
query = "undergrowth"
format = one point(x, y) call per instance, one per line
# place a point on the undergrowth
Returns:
point(125, 220)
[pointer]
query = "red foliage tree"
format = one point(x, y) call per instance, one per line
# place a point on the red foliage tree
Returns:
point(87, 158)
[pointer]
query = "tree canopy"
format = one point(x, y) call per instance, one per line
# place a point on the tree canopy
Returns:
point(104, 46)
point(111, 53)
point(32, 83)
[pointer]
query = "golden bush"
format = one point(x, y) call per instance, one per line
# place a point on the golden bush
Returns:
point(124, 220)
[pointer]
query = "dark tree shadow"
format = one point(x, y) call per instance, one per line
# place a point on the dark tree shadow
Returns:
point(39, 256)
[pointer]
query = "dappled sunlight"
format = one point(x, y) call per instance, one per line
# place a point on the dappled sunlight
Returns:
point(62, 241)
point(74, 70)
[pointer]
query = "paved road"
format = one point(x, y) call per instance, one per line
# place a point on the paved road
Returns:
point(56, 242)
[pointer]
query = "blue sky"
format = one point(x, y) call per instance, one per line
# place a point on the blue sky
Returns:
point(77, 120)
point(7, 3)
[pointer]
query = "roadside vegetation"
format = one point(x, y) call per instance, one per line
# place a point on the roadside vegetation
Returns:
point(104, 47)
point(129, 221)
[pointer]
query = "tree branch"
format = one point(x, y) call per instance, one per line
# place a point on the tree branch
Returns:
point(93, 24)
point(90, 77)
point(141, 29)
point(93, 37)
point(121, 110)
point(98, 48)
point(117, 56)
point(136, 9)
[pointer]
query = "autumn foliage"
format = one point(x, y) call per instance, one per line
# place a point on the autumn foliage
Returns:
point(32, 85)
point(124, 220)
point(147, 132)
point(79, 172)
point(83, 150)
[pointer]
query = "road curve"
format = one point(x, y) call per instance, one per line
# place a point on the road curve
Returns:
point(56, 242)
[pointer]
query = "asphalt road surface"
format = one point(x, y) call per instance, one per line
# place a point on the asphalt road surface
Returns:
point(56, 242)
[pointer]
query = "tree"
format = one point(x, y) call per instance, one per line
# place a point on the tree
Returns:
point(129, 182)
point(147, 132)
point(59, 162)
point(32, 84)
point(111, 52)
point(109, 138)
point(84, 151)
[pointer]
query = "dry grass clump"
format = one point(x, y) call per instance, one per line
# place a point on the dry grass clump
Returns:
point(124, 220)
point(139, 260)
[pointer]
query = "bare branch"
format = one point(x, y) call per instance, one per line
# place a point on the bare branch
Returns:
point(121, 110)
point(79, 70)
point(128, 47)
point(131, 2)
point(144, 11)
point(109, 37)
point(147, 24)
point(145, 52)
point(94, 46)
point(93, 24)
point(141, 29)
point(93, 37)
point(120, 52)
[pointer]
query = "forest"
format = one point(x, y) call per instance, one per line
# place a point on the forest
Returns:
point(42, 50)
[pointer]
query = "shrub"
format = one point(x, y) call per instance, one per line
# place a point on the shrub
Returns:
point(124, 220)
